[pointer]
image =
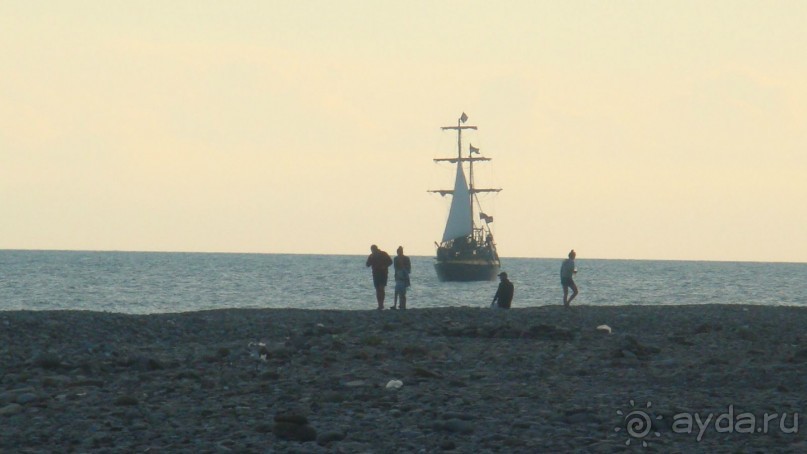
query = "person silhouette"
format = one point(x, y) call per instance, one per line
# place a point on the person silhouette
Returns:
point(403, 268)
point(504, 294)
point(380, 262)
point(567, 271)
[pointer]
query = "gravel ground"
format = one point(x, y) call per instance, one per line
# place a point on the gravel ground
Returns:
point(674, 378)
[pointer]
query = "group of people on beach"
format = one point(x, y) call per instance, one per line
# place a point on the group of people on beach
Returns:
point(379, 261)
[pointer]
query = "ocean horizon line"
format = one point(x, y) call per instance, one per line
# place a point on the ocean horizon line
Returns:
point(336, 254)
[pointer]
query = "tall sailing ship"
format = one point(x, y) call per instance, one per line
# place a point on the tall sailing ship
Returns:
point(467, 251)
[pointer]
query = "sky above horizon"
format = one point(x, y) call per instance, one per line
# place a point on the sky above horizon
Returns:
point(638, 130)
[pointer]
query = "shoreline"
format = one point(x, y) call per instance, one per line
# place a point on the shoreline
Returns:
point(472, 379)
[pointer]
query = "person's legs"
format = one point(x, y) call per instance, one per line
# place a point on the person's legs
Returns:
point(403, 298)
point(565, 295)
point(379, 296)
point(574, 292)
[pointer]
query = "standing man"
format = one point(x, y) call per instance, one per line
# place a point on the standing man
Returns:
point(567, 270)
point(380, 261)
point(504, 294)
point(403, 267)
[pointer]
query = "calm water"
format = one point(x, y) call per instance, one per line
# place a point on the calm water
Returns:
point(144, 282)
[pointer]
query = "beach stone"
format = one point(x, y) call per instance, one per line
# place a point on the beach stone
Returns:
point(629, 344)
point(144, 363)
point(332, 396)
point(293, 418)
point(667, 362)
point(459, 331)
point(12, 395)
point(187, 375)
point(26, 398)
point(409, 434)
point(414, 350)
point(298, 344)
point(269, 375)
point(294, 432)
point(87, 383)
point(126, 400)
point(330, 436)
point(503, 332)
point(56, 380)
point(682, 340)
point(279, 352)
point(293, 426)
point(604, 329)
point(456, 383)
point(353, 447)
point(456, 415)
point(48, 360)
point(581, 416)
point(707, 328)
point(745, 333)
point(799, 357)
point(10, 409)
point(425, 373)
point(549, 332)
point(455, 426)
point(448, 445)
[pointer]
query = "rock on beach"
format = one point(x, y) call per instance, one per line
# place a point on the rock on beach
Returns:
point(540, 379)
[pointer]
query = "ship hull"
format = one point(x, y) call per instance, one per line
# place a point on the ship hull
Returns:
point(466, 270)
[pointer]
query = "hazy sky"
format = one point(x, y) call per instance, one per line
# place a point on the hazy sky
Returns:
point(623, 129)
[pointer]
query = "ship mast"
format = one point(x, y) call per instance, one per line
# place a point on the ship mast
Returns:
point(471, 184)
point(472, 191)
point(460, 126)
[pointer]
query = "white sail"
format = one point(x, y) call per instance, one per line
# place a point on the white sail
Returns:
point(459, 217)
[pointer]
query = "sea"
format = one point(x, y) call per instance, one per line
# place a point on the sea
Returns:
point(168, 282)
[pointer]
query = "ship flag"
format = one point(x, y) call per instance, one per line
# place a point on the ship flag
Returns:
point(474, 149)
point(464, 117)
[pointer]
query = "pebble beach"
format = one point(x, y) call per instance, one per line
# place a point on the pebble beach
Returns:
point(467, 379)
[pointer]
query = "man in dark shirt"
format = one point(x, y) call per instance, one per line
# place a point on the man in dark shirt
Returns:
point(504, 294)
point(380, 261)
